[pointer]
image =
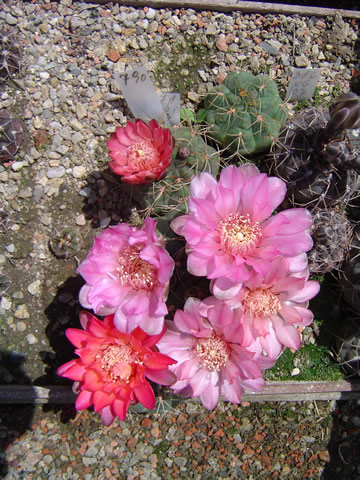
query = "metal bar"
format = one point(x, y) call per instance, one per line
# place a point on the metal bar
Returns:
point(273, 391)
point(237, 5)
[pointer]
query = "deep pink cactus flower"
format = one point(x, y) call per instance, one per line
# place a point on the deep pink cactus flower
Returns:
point(272, 306)
point(230, 231)
point(213, 355)
point(127, 272)
point(113, 366)
point(141, 153)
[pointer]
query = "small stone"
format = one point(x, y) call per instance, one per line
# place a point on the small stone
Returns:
point(302, 61)
point(324, 456)
point(21, 326)
point(56, 172)
point(38, 123)
point(150, 14)
point(295, 372)
point(81, 111)
point(80, 220)
point(34, 288)
point(22, 312)
point(113, 56)
point(10, 20)
point(203, 75)
point(31, 339)
point(78, 171)
point(76, 125)
point(4, 176)
point(10, 248)
point(32, 458)
point(180, 461)
point(77, 137)
point(211, 29)
point(17, 166)
point(221, 44)
point(5, 303)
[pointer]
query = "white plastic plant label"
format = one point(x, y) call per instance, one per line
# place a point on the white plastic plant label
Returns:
point(302, 83)
point(171, 106)
point(140, 94)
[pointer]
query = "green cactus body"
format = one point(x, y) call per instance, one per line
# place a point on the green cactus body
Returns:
point(331, 232)
point(245, 113)
point(318, 155)
point(168, 197)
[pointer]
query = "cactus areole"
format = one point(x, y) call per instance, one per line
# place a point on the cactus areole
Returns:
point(245, 113)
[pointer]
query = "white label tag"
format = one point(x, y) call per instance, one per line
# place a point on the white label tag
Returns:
point(140, 94)
point(171, 106)
point(302, 84)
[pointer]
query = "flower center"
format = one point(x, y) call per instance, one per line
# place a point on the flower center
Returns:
point(135, 272)
point(212, 352)
point(238, 235)
point(143, 155)
point(117, 360)
point(261, 303)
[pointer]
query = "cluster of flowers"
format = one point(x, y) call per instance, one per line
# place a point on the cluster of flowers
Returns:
point(255, 261)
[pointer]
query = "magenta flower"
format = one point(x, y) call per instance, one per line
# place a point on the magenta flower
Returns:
point(272, 306)
point(127, 272)
point(110, 373)
point(230, 231)
point(141, 153)
point(212, 351)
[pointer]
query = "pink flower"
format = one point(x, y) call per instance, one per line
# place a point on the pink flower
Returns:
point(230, 231)
point(272, 306)
point(127, 272)
point(110, 373)
point(213, 358)
point(141, 153)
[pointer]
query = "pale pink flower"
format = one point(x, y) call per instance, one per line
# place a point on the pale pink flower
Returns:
point(110, 373)
point(127, 272)
point(213, 355)
point(141, 153)
point(230, 231)
point(272, 306)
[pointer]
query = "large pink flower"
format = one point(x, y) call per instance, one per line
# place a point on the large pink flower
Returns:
point(113, 366)
point(214, 357)
point(141, 153)
point(127, 272)
point(272, 306)
point(230, 231)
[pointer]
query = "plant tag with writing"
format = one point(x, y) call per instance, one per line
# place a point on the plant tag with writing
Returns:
point(302, 83)
point(140, 94)
point(171, 106)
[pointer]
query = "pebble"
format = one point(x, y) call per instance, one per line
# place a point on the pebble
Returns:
point(20, 326)
point(31, 339)
point(22, 312)
point(56, 172)
point(79, 171)
point(34, 288)
point(80, 220)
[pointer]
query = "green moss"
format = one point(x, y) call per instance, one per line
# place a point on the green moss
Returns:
point(177, 68)
point(314, 362)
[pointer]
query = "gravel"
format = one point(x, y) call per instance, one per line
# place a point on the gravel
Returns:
point(69, 103)
point(273, 440)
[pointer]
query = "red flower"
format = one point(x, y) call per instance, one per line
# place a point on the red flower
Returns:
point(110, 373)
point(141, 153)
